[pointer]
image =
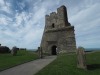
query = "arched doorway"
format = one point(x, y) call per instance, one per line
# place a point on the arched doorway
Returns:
point(54, 50)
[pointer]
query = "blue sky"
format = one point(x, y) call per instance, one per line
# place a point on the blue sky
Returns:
point(22, 21)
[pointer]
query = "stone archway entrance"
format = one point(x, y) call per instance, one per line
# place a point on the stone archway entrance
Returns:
point(54, 50)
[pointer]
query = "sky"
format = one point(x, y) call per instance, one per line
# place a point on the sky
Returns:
point(22, 21)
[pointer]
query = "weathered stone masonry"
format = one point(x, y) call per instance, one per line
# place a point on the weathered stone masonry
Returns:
point(58, 34)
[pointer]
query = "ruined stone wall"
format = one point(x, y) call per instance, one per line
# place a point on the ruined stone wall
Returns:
point(58, 19)
point(59, 32)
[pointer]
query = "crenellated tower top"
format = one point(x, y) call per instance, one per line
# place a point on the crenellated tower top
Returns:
point(57, 20)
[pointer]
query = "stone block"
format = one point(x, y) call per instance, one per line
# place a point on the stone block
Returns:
point(14, 51)
point(81, 58)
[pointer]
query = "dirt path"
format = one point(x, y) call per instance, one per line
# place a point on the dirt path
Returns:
point(29, 68)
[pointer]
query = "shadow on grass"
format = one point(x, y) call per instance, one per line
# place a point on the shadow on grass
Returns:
point(93, 66)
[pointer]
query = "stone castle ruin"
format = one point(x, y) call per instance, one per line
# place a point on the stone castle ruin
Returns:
point(58, 36)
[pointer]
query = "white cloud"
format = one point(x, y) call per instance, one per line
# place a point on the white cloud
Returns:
point(25, 28)
point(86, 22)
point(5, 6)
point(85, 14)
point(2, 2)
point(4, 20)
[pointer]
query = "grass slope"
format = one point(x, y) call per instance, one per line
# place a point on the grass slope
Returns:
point(65, 64)
point(7, 60)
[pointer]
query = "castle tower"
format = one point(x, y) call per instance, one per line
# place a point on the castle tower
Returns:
point(58, 36)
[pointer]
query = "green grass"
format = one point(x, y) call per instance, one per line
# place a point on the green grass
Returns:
point(7, 60)
point(66, 64)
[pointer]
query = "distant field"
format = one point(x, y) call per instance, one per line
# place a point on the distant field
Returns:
point(92, 49)
point(7, 60)
point(65, 64)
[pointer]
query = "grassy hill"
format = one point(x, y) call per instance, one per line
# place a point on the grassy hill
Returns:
point(7, 60)
point(66, 64)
